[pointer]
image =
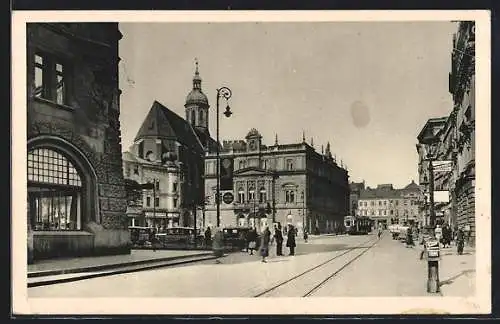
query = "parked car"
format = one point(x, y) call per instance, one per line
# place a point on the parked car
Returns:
point(179, 236)
point(236, 237)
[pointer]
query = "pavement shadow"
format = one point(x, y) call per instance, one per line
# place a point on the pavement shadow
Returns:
point(449, 281)
point(273, 261)
point(455, 253)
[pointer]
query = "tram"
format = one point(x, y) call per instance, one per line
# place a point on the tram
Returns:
point(358, 225)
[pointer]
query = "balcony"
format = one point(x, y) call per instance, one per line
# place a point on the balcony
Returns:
point(250, 206)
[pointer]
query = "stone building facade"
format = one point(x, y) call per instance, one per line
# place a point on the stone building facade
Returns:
point(355, 192)
point(387, 205)
point(281, 183)
point(455, 137)
point(76, 197)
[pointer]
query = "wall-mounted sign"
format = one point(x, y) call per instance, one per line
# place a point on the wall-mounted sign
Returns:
point(156, 215)
point(228, 197)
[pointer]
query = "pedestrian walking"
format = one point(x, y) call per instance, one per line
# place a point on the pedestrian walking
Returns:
point(460, 241)
point(278, 236)
point(208, 237)
point(409, 238)
point(252, 240)
point(306, 236)
point(264, 244)
point(379, 232)
point(439, 233)
point(290, 242)
point(218, 244)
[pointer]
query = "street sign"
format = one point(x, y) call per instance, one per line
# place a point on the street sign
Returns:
point(228, 197)
point(442, 166)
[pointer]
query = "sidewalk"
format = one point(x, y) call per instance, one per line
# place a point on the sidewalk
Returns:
point(85, 264)
point(457, 273)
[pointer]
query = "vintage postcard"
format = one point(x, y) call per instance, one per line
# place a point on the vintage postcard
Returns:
point(197, 162)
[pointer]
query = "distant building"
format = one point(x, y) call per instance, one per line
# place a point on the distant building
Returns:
point(169, 151)
point(355, 191)
point(387, 205)
point(76, 196)
point(281, 183)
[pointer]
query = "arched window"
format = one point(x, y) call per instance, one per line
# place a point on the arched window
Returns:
point(262, 195)
point(55, 191)
point(201, 117)
point(241, 195)
point(193, 118)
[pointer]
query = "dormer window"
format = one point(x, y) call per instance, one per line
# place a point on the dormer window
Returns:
point(289, 165)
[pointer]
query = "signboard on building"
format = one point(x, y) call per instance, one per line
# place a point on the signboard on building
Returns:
point(442, 166)
point(228, 197)
point(440, 196)
point(155, 215)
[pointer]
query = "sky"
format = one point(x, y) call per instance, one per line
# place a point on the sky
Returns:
point(366, 87)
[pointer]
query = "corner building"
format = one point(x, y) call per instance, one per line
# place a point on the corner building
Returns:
point(76, 196)
point(282, 183)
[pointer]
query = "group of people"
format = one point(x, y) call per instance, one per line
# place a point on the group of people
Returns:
point(444, 235)
point(267, 238)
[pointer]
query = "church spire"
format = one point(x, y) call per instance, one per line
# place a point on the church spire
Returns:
point(276, 139)
point(328, 153)
point(196, 78)
point(303, 136)
point(312, 142)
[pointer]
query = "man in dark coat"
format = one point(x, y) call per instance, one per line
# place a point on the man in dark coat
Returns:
point(290, 242)
point(278, 236)
point(208, 237)
point(264, 244)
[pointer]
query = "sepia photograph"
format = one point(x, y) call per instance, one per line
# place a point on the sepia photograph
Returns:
point(211, 160)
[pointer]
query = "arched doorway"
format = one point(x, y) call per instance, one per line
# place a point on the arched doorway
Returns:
point(61, 186)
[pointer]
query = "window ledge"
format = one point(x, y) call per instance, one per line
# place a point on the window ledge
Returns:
point(54, 104)
point(62, 233)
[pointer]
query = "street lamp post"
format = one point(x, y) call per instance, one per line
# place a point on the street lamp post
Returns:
point(303, 211)
point(225, 93)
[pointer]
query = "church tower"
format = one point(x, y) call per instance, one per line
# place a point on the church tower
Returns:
point(197, 105)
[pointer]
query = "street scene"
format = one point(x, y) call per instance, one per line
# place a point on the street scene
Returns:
point(293, 159)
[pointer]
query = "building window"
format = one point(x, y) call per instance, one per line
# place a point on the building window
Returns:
point(372, 203)
point(175, 202)
point(136, 169)
point(264, 164)
point(54, 191)
point(50, 79)
point(289, 196)
point(384, 212)
point(242, 164)
point(262, 195)
point(193, 118)
point(157, 185)
point(148, 201)
point(289, 165)
point(251, 194)
point(157, 202)
point(385, 202)
point(241, 195)
point(392, 212)
point(360, 203)
point(201, 117)
point(174, 188)
point(366, 204)
point(397, 202)
point(380, 203)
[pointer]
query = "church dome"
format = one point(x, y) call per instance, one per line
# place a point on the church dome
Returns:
point(196, 96)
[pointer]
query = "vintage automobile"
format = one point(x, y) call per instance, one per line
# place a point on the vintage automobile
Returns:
point(139, 235)
point(235, 237)
point(179, 236)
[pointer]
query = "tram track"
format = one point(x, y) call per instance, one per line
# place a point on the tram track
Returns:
point(312, 272)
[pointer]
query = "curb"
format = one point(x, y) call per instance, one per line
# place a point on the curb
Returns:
point(44, 273)
point(122, 271)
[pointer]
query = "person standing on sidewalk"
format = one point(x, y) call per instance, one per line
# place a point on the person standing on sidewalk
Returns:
point(306, 236)
point(264, 244)
point(290, 242)
point(218, 244)
point(252, 240)
point(278, 236)
point(379, 232)
point(208, 237)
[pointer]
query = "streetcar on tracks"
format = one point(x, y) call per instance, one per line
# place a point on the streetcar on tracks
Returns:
point(358, 225)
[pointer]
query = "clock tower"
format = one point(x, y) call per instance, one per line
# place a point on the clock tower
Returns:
point(254, 140)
